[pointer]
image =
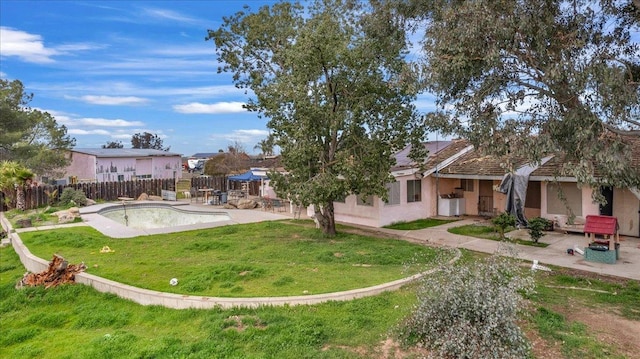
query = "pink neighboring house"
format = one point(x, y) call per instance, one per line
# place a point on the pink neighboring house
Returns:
point(121, 164)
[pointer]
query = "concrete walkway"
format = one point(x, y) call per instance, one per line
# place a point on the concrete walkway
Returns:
point(628, 266)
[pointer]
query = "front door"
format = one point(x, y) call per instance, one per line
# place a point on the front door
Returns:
point(485, 198)
point(607, 208)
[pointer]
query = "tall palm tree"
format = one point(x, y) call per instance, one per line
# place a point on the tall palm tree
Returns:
point(14, 177)
point(266, 146)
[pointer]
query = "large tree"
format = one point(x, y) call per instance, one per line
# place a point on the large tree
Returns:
point(148, 140)
point(234, 161)
point(331, 85)
point(535, 77)
point(29, 136)
point(113, 144)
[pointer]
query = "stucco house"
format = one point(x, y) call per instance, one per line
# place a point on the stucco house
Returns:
point(121, 164)
point(475, 178)
point(622, 203)
point(457, 180)
point(413, 193)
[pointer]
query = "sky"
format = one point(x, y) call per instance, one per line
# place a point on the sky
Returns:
point(110, 69)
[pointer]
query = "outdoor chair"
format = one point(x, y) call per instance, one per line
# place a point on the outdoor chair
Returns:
point(279, 204)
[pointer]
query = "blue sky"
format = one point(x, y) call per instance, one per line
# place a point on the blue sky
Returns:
point(110, 69)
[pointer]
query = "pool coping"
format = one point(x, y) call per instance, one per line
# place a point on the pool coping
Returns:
point(179, 301)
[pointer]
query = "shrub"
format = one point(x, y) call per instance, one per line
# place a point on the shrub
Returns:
point(471, 311)
point(502, 222)
point(536, 226)
point(72, 197)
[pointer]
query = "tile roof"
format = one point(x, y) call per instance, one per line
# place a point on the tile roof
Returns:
point(402, 157)
point(554, 168)
point(475, 163)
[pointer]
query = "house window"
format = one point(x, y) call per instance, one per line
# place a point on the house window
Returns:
point(363, 200)
point(414, 191)
point(393, 191)
point(466, 185)
point(120, 178)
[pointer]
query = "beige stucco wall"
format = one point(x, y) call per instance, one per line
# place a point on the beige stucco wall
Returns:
point(550, 203)
point(381, 214)
point(626, 207)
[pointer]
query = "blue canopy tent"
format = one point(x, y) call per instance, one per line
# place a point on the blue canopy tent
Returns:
point(249, 176)
point(246, 177)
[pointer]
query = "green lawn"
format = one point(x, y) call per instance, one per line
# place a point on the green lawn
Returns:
point(488, 232)
point(419, 224)
point(260, 259)
point(75, 321)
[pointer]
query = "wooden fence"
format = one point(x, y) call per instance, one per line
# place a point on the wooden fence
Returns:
point(215, 182)
point(39, 196)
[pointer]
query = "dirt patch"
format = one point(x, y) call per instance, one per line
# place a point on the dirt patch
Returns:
point(241, 322)
point(607, 327)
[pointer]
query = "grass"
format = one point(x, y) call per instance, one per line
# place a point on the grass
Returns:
point(488, 232)
point(260, 259)
point(419, 224)
point(575, 338)
point(75, 321)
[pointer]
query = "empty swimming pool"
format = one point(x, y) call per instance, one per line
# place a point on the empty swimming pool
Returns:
point(146, 216)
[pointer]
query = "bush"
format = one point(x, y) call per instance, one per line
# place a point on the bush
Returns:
point(502, 222)
point(72, 197)
point(471, 311)
point(536, 226)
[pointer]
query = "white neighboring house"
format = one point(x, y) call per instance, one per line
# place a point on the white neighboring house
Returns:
point(121, 164)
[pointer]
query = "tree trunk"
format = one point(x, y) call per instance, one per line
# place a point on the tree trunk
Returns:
point(20, 199)
point(326, 219)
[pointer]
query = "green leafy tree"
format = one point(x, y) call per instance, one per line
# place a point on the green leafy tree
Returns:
point(332, 84)
point(29, 136)
point(113, 144)
point(530, 78)
point(148, 140)
point(14, 177)
point(235, 160)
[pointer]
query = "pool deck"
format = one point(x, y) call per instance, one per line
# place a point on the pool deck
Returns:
point(113, 229)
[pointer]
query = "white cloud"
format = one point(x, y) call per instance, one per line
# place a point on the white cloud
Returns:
point(102, 122)
point(164, 14)
point(215, 108)
point(31, 48)
point(72, 122)
point(28, 47)
point(114, 100)
point(80, 46)
point(254, 132)
point(245, 137)
point(77, 132)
